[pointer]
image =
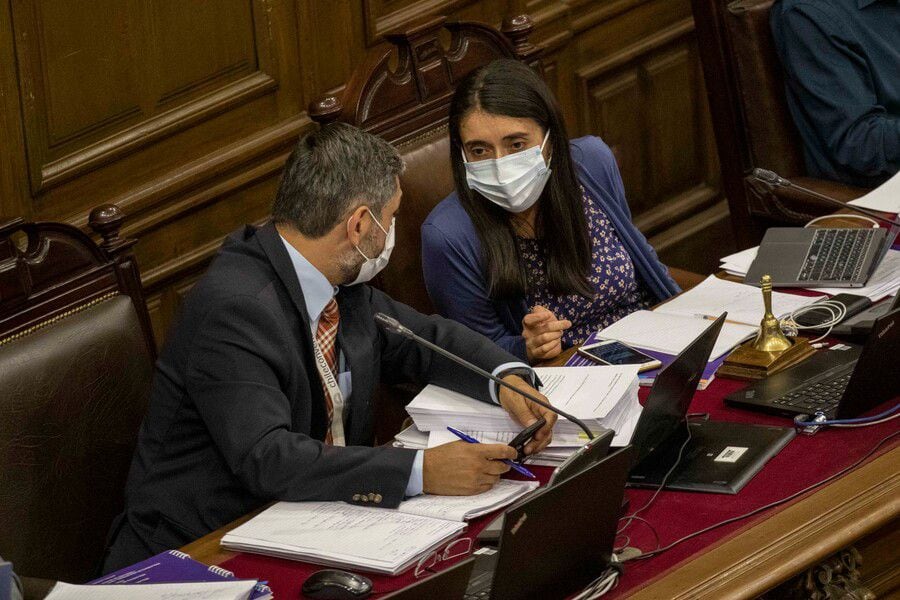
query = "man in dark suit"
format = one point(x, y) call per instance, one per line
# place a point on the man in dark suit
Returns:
point(264, 388)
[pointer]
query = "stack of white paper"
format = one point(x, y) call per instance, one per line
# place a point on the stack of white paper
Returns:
point(885, 197)
point(604, 397)
point(208, 590)
point(884, 281)
point(363, 537)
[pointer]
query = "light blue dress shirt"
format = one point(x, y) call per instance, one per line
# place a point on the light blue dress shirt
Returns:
point(317, 293)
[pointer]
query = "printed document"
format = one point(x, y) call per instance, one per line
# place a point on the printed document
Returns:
point(208, 590)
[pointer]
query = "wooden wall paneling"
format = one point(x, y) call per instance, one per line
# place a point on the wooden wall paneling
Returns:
point(14, 192)
point(102, 80)
point(216, 88)
point(644, 96)
point(182, 115)
point(382, 16)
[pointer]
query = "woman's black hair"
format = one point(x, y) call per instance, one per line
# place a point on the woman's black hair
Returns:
point(510, 88)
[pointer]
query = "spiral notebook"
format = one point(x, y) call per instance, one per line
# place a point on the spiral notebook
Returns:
point(174, 567)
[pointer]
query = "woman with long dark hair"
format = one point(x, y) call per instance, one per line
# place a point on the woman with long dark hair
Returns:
point(536, 248)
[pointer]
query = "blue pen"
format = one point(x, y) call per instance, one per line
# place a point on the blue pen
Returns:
point(471, 440)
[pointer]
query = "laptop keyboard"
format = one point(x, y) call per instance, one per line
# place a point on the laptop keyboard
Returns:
point(821, 396)
point(836, 254)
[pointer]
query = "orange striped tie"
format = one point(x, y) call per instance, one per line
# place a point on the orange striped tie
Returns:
point(326, 336)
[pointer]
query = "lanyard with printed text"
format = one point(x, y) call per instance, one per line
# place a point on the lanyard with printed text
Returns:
point(334, 392)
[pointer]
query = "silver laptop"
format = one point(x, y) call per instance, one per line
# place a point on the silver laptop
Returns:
point(814, 257)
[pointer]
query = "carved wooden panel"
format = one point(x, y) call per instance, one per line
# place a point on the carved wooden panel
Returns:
point(647, 101)
point(382, 16)
point(648, 104)
point(101, 79)
point(182, 113)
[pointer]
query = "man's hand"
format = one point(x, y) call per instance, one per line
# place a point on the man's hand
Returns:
point(527, 412)
point(543, 334)
point(463, 469)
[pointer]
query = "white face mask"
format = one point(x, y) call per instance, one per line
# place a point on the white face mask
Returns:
point(513, 182)
point(372, 266)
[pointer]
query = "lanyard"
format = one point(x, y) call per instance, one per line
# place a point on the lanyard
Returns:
point(334, 392)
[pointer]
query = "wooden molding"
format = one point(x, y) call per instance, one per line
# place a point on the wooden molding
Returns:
point(154, 129)
point(788, 541)
point(153, 194)
point(628, 54)
point(379, 23)
point(688, 203)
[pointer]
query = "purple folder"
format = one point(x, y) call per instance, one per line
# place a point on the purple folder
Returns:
point(174, 567)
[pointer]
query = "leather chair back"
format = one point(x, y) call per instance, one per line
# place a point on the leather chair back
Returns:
point(751, 120)
point(408, 106)
point(76, 359)
point(772, 137)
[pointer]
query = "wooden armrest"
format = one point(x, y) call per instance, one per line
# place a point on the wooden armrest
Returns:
point(685, 279)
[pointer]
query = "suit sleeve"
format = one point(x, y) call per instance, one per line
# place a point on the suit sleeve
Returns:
point(458, 291)
point(404, 360)
point(238, 368)
point(828, 72)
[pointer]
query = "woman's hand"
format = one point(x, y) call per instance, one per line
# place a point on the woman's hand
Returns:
point(543, 334)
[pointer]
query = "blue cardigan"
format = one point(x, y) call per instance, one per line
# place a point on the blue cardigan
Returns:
point(452, 262)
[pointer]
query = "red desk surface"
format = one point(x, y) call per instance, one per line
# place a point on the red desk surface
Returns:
point(804, 461)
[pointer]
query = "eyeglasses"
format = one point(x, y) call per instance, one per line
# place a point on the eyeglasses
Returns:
point(454, 549)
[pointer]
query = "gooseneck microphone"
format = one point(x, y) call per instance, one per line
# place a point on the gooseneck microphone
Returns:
point(775, 180)
point(392, 325)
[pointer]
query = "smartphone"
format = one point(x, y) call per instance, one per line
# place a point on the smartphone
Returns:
point(521, 440)
point(612, 352)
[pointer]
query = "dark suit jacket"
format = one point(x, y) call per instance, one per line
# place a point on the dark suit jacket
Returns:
point(237, 412)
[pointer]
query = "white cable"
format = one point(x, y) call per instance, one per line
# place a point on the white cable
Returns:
point(600, 586)
point(874, 223)
point(836, 310)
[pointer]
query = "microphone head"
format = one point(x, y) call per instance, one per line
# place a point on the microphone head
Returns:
point(390, 324)
point(770, 177)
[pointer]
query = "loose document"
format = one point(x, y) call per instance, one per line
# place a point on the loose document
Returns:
point(886, 197)
point(672, 326)
point(213, 590)
point(373, 539)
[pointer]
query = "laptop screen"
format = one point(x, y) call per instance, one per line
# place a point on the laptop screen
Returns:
point(561, 538)
point(667, 405)
point(874, 377)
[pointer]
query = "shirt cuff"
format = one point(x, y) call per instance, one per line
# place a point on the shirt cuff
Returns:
point(414, 487)
point(512, 368)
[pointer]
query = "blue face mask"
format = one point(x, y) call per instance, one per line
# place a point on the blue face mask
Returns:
point(513, 182)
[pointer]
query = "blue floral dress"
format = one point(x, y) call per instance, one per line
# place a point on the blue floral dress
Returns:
point(617, 291)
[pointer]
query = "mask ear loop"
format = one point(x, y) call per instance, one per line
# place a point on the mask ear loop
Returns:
point(372, 215)
point(544, 143)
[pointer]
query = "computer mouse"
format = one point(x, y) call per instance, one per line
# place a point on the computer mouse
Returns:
point(334, 584)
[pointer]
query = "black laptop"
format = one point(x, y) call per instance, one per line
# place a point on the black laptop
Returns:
point(449, 584)
point(557, 540)
point(837, 383)
point(721, 457)
point(861, 324)
point(816, 257)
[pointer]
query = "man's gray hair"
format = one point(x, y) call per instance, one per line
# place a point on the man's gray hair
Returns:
point(330, 173)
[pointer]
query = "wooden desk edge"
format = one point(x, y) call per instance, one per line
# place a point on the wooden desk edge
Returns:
point(789, 541)
point(785, 543)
